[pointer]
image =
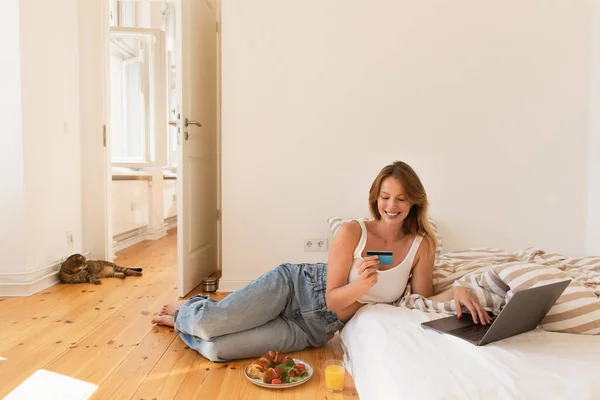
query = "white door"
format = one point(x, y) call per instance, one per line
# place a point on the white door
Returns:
point(197, 152)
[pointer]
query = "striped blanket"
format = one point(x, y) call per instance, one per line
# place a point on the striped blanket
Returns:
point(494, 276)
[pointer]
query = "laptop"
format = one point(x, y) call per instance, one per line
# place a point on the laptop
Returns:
point(523, 313)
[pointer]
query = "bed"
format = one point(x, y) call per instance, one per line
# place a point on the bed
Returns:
point(390, 356)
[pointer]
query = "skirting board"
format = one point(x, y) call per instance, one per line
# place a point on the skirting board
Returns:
point(170, 223)
point(155, 235)
point(231, 286)
point(30, 288)
point(118, 246)
point(32, 282)
point(144, 235)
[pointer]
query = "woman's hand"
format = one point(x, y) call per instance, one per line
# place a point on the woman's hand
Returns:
point(367, 274)
point(462, 297)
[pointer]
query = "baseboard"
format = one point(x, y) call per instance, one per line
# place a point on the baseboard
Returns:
point(28, 288)
point(128, 239)
point(121, 244)
point(156, 232)
point(230, 285)
point(171, 223)
point(155, 235)
point(32, 282)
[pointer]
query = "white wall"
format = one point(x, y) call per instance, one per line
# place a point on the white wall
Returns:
point(51, 134)
point(148, 14)
point(593, 228)
point(11, 142)
point(93, 46)
point(488, 101)
point(170, 198)
point(130, 205)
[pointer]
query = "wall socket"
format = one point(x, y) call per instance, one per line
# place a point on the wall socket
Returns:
point(316, 244)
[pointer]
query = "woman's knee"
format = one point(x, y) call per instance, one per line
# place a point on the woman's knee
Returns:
point(214, 351)
point(227, 348)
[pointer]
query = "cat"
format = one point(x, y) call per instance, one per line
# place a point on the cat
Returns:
point(76, 269)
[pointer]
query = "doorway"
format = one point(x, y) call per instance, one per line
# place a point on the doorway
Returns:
point(163, 131)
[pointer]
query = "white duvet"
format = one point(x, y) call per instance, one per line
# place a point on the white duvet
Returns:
point(390, 356)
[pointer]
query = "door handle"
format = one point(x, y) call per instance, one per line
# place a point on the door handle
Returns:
point(190, 122)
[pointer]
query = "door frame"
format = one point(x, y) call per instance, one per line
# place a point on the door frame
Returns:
point(94, 114)
point(96, 162)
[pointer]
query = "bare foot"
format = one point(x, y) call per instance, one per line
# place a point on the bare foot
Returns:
point(169, 309)
point(165, 320)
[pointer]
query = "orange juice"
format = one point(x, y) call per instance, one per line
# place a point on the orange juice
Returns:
point(334, 377)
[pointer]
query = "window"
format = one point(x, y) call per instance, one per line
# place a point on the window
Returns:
point(122, 13)
point(173, 111)
point(138, 97)
point(112, 12)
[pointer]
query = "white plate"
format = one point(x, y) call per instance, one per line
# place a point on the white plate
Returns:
point(259, 382)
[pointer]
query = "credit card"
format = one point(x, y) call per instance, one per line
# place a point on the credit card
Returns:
point(385, 257)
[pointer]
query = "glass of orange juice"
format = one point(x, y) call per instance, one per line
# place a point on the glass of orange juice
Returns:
point(334, 375)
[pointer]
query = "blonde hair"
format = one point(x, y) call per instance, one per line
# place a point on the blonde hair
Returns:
point(417, 220)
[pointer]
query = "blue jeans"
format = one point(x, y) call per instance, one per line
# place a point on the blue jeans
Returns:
point(284, 309)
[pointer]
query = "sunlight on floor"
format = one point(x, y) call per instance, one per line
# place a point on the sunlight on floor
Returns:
point(2, 358)
point(50, 385)
point(167, 375)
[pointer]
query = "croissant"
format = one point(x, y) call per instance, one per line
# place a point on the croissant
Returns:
point(264, 367)
point(258, 367)
point(272, 373)
point(275, 357)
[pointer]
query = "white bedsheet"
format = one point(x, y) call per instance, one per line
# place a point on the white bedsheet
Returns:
point(390, 356)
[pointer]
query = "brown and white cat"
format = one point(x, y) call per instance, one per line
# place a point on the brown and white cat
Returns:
point(76, 269)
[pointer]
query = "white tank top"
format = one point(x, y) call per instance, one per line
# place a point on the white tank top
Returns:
point(391, 283)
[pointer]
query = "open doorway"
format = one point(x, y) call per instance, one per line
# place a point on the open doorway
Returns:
point(143, 100)
point(163, 128)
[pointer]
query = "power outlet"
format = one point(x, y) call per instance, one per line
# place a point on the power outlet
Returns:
point(316, 244)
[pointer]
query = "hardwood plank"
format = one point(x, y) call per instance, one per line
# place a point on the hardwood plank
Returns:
point(114, 339)
point(164, 380)
point(68, 302)
point(133, 371)
point(40, 346)
point(204, 380)
point(102, 334)
point(236, 381)
point(226, 381)
point(60, 294)
point(84, 306)
point(73, 314)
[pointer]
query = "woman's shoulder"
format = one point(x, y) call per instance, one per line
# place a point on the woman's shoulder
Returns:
point(350, 229)
point(427, 246)
point(347, 237)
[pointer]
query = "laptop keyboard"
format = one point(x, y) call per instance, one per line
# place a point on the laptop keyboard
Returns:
point(472, 332)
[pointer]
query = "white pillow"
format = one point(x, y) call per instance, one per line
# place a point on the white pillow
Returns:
point(336, 222)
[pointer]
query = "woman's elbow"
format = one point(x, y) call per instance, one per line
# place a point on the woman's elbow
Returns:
point(331, 303)
point(423, 292)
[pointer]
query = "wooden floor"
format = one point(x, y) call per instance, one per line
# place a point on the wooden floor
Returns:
point(103, 335)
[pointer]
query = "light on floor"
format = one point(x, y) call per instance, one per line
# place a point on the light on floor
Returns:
point(50, 385)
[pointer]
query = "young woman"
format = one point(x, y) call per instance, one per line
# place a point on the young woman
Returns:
point(296, 306)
